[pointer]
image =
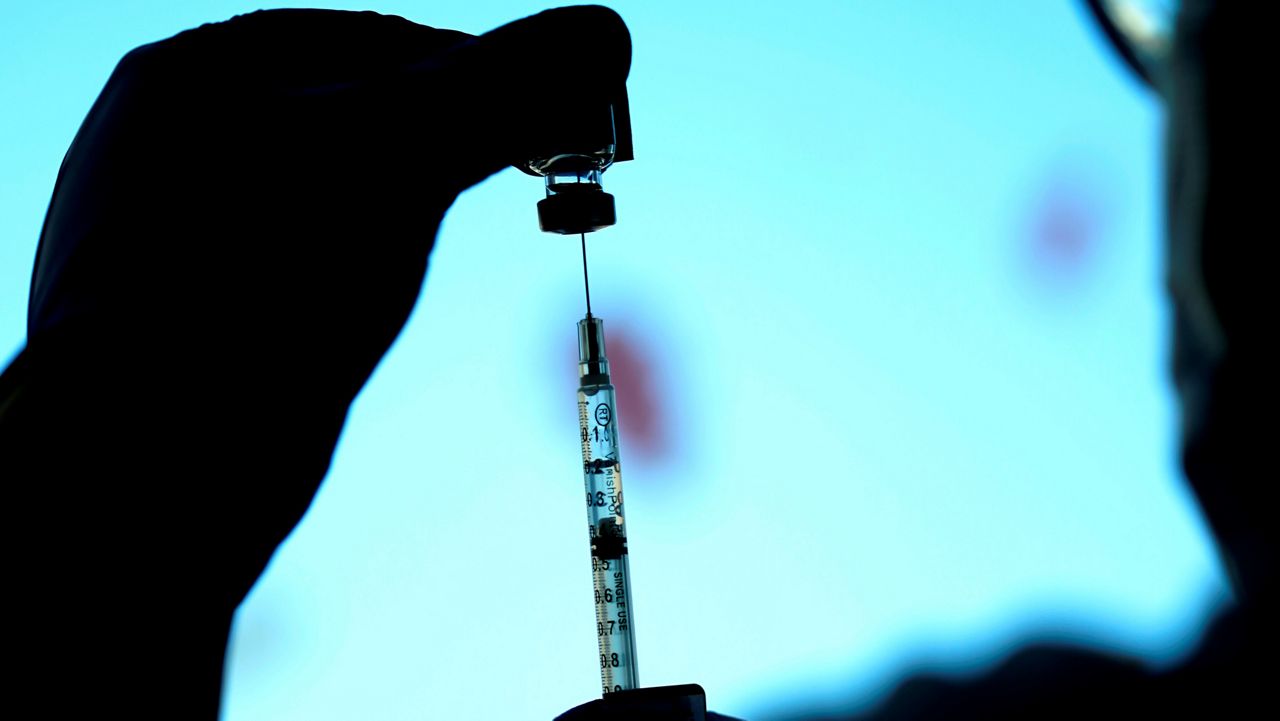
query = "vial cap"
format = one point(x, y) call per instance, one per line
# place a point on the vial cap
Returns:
point(571, 213)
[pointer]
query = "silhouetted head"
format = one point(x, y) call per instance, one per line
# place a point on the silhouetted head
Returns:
point(1202, 60)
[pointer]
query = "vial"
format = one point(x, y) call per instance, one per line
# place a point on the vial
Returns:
point(576, 201)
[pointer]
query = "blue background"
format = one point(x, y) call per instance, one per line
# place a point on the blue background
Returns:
point(885, 301)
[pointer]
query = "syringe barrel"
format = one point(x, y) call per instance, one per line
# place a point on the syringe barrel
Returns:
point(606, 527)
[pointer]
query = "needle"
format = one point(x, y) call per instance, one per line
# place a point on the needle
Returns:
point(586, 283)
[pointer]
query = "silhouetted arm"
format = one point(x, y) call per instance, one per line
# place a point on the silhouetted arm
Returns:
point(238, 233)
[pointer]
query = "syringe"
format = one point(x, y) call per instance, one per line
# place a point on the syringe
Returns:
point(598, 420)
point(587, 134)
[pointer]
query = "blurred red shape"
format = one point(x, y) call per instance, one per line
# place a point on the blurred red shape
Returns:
point(1067, 221)
point(644, 403)
point(640, 399)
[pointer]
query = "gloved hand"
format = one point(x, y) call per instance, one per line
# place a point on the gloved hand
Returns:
point(239, 231)
point(686, 702)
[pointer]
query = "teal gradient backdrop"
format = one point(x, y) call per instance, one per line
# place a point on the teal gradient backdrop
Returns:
point(887, 283)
